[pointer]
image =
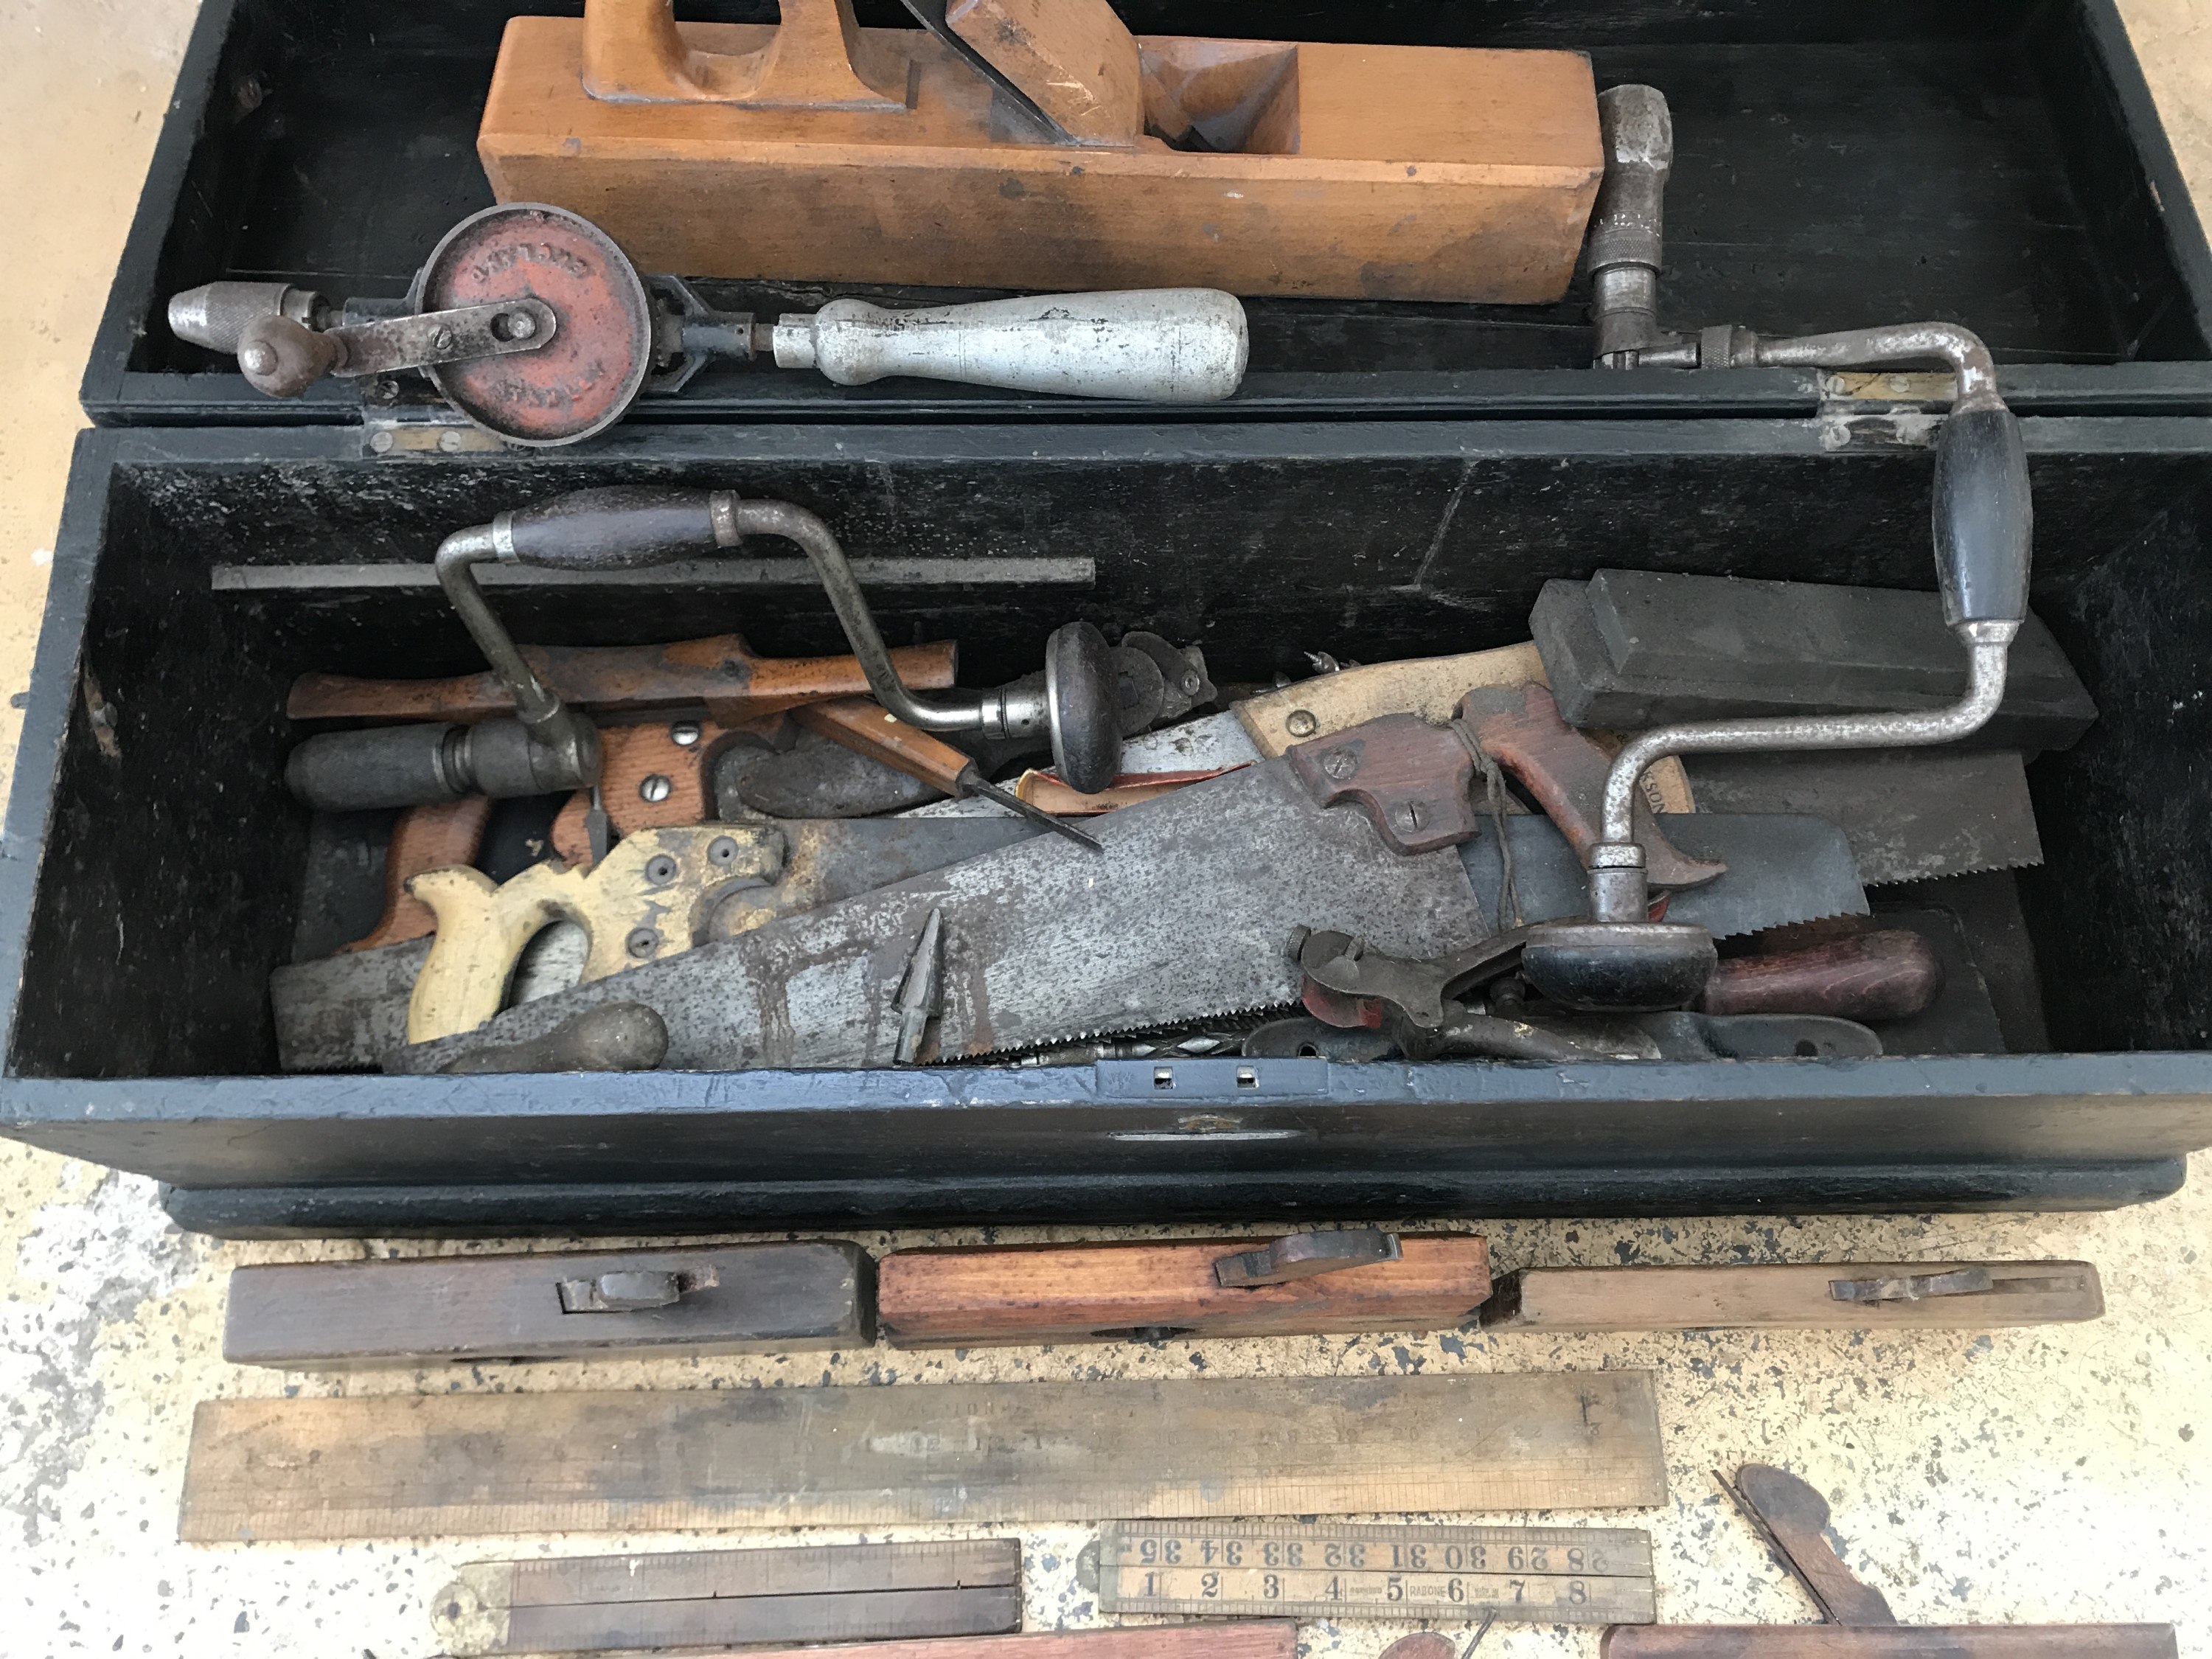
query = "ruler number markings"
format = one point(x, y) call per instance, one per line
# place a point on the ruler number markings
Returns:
point(1555, 1575)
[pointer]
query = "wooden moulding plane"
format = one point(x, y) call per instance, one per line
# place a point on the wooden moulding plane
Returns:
point(815, 149)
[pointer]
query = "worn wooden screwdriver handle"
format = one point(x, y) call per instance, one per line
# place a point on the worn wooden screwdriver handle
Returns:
point(722, 673)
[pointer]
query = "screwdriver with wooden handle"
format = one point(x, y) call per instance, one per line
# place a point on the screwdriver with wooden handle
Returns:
point(868, 728)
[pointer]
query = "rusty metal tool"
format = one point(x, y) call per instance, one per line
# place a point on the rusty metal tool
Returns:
point(1418, 1007)
point(1794, 1519)
point(1075, 705)
point(1783, 868)
point(1305, 1255)
point(1180, 919)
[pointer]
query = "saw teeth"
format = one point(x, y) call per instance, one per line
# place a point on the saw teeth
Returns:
point(1946, 875)
point(1256, 1012)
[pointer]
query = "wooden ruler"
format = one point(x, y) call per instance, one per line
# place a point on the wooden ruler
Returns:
point(1313, 1569)
point(456, 1464)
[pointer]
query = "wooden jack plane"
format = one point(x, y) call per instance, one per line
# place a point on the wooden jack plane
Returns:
point(1038, 143)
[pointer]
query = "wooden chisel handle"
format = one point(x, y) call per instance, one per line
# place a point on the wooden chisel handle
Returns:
point(720, 673)
point(1889, 975)
point(425, 838)
point(870, 729)
point(867, 727)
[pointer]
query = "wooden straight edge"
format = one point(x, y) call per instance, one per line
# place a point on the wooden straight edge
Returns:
point(1889, 1641)
point(855, 1615)
point(1245, 1639)
point(808, 1569)
point(684, 574)
point(471, 1464)
point(1081, 1292)
point(1786, 1295)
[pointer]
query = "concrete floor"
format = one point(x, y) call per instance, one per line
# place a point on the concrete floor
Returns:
point(2059, 1474)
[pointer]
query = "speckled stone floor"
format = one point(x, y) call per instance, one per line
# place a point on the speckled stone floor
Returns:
point(2043, 1474)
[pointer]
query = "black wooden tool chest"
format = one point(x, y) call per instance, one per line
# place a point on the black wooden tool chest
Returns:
point(1394, 480)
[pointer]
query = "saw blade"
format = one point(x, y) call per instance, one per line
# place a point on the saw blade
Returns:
point(1186, 915)
point(1912, 814)
point(1782, 868)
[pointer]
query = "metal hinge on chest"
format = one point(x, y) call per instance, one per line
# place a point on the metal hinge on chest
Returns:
point(1870, 409)
point(425, 432)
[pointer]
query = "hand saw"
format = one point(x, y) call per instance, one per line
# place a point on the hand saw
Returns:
point(1912, 814)
point(340, 1012)
point(1185, 916)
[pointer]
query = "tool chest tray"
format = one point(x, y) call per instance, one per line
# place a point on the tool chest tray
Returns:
point(1839, 162)
point(154, 858)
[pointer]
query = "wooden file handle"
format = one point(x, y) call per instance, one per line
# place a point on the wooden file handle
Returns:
point(721, 672)
point(1887, 974)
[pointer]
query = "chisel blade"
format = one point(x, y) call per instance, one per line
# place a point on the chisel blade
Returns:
point(1782, 868)
point(1186, 915)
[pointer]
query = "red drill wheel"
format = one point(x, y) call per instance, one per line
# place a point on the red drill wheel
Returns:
point(584, 379)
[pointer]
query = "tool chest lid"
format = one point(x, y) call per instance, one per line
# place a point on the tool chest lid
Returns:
point(1835, 166)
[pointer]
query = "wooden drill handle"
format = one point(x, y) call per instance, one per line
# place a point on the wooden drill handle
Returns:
point(425, 838)
point(721, 672)
point(1889, 975)
point(867, 728)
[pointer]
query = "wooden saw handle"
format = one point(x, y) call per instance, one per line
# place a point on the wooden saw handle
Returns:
point(425, 838)
point(649, 899)
point(1520, 728)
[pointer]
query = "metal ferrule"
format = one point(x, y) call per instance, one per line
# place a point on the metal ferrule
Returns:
point(960, 712)
point(1988, 646)
point(1018, 710)
point(1618, 888)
